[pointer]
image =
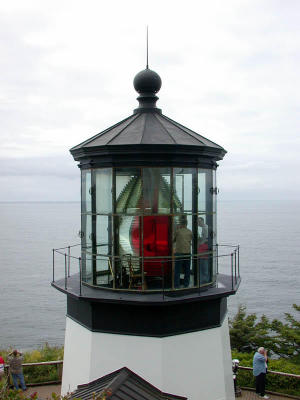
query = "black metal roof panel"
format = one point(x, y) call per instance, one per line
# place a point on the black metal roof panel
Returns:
point(122, 384)
point(147, 128)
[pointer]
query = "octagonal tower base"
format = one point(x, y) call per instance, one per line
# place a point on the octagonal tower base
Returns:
point(196, 365)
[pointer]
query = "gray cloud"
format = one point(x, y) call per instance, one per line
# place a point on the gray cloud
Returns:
point(230, 71)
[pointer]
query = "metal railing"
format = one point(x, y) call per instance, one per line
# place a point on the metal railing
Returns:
point(272, 372)
point(118, 265)
point(58, 364)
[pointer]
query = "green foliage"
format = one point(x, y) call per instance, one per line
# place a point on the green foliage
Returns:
point(43, 373)
point(246, 335)
point(11, 394)
point(280, 338)
point(288, 335)
point(276, 383)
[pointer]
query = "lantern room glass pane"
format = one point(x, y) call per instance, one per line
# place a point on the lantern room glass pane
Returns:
point(128, 190)
point(157, 190)
point(128, 241)
point(86, 223)
point(204, 190)
point(214, 184)
point(86, 190)
point(157, 247)
point(184, 264)
point(87, 269)
point(103, 182)
point(86, 243)
point(104, 272)
point(183, 190)
point(204, 250)
point(127, 236)
point(103, 234)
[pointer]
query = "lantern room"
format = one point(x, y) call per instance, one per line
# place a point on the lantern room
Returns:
point(148, 201)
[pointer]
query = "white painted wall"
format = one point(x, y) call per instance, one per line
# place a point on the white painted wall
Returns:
point(196, 365)
point(77, 356)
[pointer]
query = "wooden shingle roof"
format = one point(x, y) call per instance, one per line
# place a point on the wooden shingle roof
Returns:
point(122, 384)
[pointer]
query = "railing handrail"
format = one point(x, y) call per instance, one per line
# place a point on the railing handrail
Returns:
point(272, 372)
point(194, 255)
point(211, 253)
point(57, 362)
point(240, 367)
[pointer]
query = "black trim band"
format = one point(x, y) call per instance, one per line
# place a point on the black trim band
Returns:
point(147, 320)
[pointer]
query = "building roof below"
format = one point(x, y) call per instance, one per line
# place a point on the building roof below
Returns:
point(122, 384)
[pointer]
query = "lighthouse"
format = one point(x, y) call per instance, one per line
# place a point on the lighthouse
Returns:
point(149, 291)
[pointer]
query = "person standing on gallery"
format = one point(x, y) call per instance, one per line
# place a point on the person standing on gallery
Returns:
point(15, 360)
point(259, 371)
point(183, 239)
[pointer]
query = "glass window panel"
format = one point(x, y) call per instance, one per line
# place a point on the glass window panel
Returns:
point(205, 248)
point(127, 236)
point(103, 181)
point(128, 241)
point(204, 186)
point(87, 268)
point(157, 246)
point(183, 189)
point(104, 272)
point(156, 190)
point(214, 194)
point(128, 190)
point(86, 241)
point(184, 266)
point(103, 234)
point(86, 185)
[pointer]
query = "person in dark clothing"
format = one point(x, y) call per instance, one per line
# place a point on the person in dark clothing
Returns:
point(15, 360)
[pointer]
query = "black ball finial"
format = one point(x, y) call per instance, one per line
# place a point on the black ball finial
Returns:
point(147, 81)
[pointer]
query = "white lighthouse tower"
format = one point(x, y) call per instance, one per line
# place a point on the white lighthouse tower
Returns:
point(148, 294)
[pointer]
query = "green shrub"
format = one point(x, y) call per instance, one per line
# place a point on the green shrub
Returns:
point(275, 383)
point(43, 373)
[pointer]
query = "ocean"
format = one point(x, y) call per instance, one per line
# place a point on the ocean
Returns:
point(33, 313)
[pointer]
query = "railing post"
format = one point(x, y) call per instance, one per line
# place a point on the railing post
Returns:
point(163, 278)
point(59, 371)
point(235, 266)
point(69, 253)
point(80, 275)
point(52, 265)
point(232, 271)
point(217, 262)
point(238, 249)
point(65, 271)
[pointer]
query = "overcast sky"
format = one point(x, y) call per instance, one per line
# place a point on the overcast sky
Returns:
point(230, 71)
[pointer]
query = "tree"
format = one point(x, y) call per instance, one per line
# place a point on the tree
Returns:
point(246, 335)
point(288, 335)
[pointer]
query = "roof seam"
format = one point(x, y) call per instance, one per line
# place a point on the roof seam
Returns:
point(144, 127)
point(122, 130)
point(165, 129)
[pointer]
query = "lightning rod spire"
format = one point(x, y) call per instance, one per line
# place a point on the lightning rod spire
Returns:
point(147, 65)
